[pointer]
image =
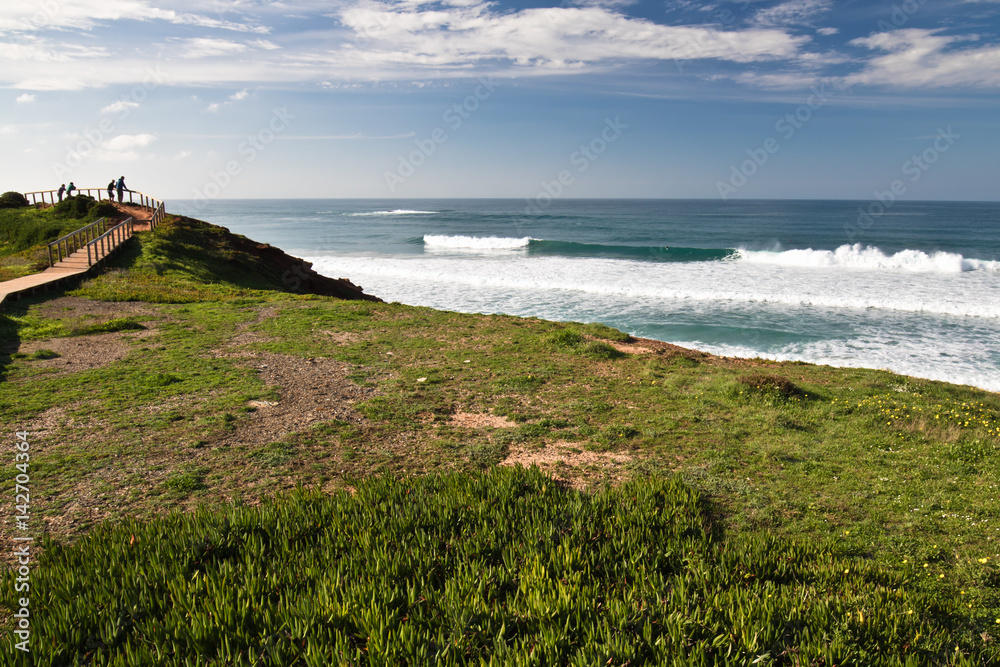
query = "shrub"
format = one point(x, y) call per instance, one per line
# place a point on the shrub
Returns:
point(769, 387)
point(600, 350)
point(103, 209)
point(13, 200)
point(75, 207)
point(564, 338)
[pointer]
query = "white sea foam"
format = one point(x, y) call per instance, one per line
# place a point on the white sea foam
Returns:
point(868, 258)
point(379, 214)
point(961, 295)
point(957, 366)
point(894, 319)
point(475, 242)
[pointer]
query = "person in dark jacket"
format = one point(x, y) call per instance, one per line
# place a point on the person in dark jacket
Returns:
point(62, 190)
point(121, 188)
point(111, 190)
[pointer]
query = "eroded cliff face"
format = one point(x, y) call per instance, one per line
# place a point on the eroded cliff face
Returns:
point(238, 259)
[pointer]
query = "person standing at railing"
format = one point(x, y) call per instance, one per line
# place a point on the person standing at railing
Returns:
point(62, 189)
point(121, 188)
point(70, 190)
point(111, 190)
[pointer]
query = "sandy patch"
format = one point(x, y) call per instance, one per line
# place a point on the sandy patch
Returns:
point(561, 455)
point(650, 346)
point(479, 420)
point(342, 337)
point(630, 348)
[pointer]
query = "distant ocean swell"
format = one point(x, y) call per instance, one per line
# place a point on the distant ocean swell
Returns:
point(846, 256)
point(540, 247)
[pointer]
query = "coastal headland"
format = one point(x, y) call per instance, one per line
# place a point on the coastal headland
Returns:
point(232, 456)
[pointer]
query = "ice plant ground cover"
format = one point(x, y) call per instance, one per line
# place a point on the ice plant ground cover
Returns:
point(503, 567)
point(865, 503)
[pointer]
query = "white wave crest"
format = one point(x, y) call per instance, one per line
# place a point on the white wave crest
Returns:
point(869, 258)
point(398, 211)
point(475, 242)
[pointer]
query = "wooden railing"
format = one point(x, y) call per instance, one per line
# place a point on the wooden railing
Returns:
point(134, 196)
point(104, 244)
point(97, 230)
point(67, 245)
point(158, 215)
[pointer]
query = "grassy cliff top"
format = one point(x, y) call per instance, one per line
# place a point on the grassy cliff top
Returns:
point(195, 371)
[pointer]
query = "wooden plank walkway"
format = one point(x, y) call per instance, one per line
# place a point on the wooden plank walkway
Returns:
point(75, 264)
point(83, 260)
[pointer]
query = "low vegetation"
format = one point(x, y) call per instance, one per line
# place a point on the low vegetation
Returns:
point(503, 567)
point(686, 509)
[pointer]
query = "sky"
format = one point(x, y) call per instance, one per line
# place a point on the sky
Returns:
point(532, 99)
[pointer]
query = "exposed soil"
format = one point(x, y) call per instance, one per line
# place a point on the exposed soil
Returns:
point(479, 420)
point(80, 353)
point(312, 391)
point(557, 457)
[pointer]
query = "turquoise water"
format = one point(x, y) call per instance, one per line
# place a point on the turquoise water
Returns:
point(913, 287)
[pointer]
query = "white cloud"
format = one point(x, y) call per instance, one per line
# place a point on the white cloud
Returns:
point(8, 130)
point(791, 13)
point(119, 107)
point(202, 47)
point(238, 96)
point(827, 31)
point(124, 147)
point(557, 38)
point(918, 58)
point(26, 17)
point(33, 50)
point(25, 98)
point(264, 44)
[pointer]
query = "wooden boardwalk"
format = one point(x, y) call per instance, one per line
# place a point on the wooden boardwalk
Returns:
point(89, 255)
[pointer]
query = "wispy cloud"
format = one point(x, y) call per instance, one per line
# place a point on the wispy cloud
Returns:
point(791, 13)
point(25, 98)
point(412, 42)
point(559, 38)
point(124, 147)
point(88, 14)
point(238, 96)
point(917, 58)
point(120, 107)
point(197, 48)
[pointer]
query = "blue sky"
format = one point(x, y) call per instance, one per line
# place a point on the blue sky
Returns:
point(524, 99)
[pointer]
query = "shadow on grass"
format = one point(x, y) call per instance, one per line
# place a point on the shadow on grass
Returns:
point(10, 338)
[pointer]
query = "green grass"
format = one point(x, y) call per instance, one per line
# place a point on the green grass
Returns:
point(892, 477)
point(505, 567)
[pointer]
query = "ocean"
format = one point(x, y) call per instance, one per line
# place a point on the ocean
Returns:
point(913, 287)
